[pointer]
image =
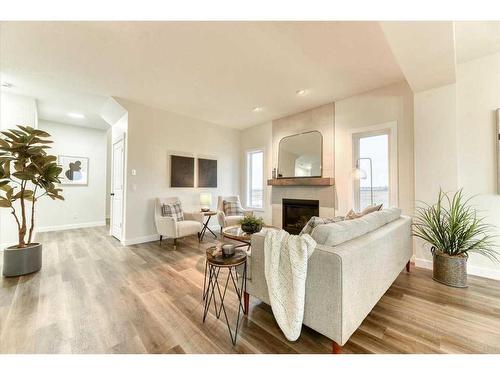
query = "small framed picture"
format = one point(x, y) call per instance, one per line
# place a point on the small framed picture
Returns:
point(75, 170)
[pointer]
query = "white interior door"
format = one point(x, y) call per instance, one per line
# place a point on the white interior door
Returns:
point(117, 190)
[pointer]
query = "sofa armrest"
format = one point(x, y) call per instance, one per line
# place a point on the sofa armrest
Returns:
point(372, 261)
point(166, 226)
point(195, 216)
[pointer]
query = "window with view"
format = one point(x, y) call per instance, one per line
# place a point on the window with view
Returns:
point(255, 179)
point(372, 161)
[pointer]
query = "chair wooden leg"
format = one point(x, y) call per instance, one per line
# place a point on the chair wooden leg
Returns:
point(408, 267)
point(246, 302)
point(175, 243)
point(336, 348)
point(161, 237)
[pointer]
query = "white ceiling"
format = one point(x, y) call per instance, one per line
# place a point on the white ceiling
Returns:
point(215, 71)
point(220, 71)
point(475, 39)
point(54, 101)
point(425, 51)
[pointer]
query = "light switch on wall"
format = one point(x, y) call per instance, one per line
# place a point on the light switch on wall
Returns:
point(133, 172)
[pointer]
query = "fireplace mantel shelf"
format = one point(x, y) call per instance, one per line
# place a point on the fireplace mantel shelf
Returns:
point(302, 181)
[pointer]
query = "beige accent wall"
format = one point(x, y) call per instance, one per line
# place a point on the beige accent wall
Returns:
point(363, 112)
point(153, 135)
point(321, 119)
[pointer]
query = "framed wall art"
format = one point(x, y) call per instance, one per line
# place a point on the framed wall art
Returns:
point(75, 170)
point(181, 171)
point(207, 173)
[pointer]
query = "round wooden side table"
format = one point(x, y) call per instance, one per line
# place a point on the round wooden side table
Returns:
point(208, 215)
point(212, 289)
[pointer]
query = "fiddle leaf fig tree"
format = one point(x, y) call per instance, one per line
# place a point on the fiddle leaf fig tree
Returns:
point(27, 173)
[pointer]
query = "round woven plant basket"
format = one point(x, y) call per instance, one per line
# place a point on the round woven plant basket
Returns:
point(450, 270)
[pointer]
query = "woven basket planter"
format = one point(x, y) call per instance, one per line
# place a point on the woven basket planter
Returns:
point(450, 270)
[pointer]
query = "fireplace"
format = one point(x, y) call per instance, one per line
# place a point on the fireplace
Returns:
point(297, 212)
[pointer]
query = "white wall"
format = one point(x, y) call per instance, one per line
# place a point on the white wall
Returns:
point(435, 142)
point(455, 146)
point(14, 110)
point(363, 111)
point(258, 137)
point(83, 205)
point(153, 135)
point(478, 96)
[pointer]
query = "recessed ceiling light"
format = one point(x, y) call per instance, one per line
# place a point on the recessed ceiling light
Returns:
point(258, 109)
point(76, 115)
point(301, 92)
point(7, 85)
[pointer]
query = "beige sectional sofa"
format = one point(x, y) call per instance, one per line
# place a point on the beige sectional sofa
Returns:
point(353, 265)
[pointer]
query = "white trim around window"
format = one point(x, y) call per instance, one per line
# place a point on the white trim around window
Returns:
point(390, 129)
point(254, 189)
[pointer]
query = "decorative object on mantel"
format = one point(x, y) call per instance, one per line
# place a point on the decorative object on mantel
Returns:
point(302, 181)
point(251, 224)
point(205, 201)
point(452, 228)
point(207, 173)
point(181, 171)
point(27, 173)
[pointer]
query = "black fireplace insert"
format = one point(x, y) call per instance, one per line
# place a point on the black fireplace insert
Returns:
point(297, 212)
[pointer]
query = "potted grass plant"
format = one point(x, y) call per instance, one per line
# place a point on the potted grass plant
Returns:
point(453, 229)
point(27, 173)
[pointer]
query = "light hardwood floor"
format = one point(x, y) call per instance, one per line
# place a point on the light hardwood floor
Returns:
point(95, 296)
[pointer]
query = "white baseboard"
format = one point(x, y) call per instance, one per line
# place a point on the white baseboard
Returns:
point(142, 239)
point(471, 270)
point(156, 237)
point(71, 226)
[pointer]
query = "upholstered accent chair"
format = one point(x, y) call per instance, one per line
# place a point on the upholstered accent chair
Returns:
point(228, 220)
point(169, 227)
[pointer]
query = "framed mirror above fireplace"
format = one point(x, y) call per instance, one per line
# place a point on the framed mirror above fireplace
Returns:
point(300, 155)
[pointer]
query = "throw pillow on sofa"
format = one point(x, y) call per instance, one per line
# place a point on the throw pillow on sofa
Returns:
point(232, 208)
point(368, 210)
point(173, 210)
point(315, 221)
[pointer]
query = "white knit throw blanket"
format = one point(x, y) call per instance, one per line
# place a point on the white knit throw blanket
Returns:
point(285, 260)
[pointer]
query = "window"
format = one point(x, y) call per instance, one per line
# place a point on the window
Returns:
point(371, 178)
point(255, 179)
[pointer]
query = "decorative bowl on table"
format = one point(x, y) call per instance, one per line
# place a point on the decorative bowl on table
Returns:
point(251, 224)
